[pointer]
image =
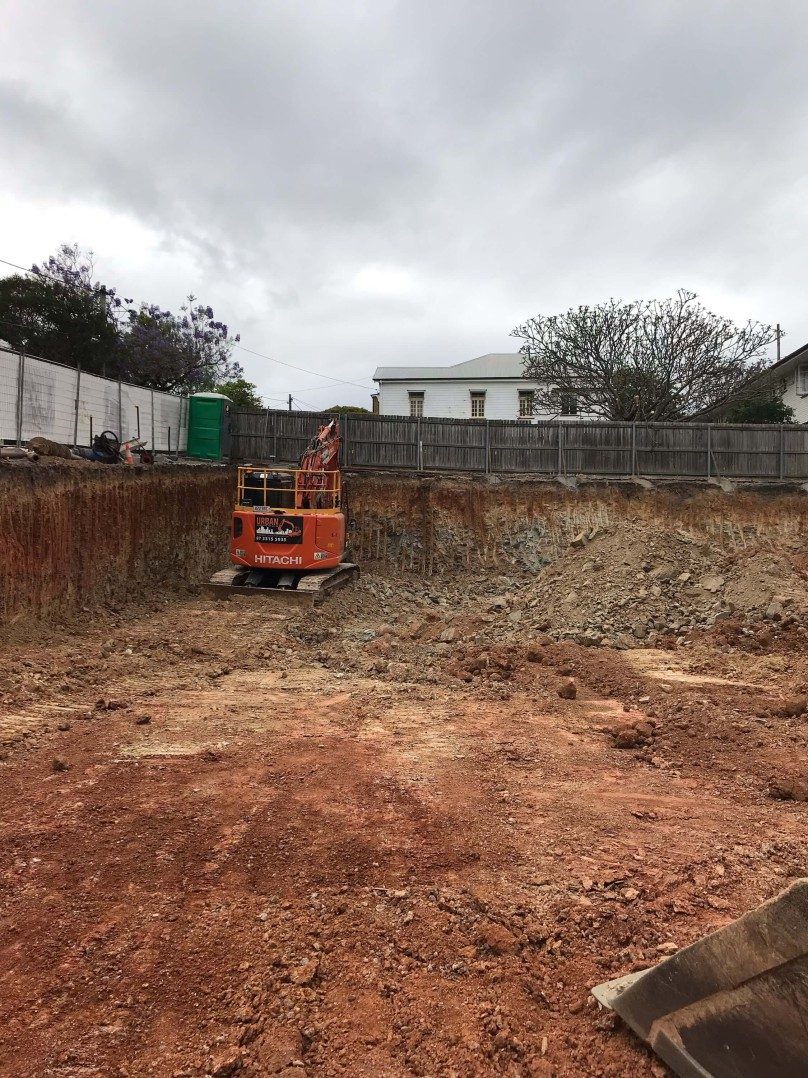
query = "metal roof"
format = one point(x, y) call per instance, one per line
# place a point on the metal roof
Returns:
point(491, 365)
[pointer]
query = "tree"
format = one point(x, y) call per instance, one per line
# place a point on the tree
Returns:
point(645, 360)
point(189, 352)
point(341, 409)
point(59, 313)
point(242, 393)
point(761, 408)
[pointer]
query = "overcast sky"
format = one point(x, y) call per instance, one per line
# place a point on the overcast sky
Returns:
point(351, 184)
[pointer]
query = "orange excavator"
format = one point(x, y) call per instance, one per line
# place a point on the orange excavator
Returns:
point(288, 529)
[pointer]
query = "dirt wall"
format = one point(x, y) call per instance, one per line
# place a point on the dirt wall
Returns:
point(75, 538)
point(602, 564)
point(432, 525)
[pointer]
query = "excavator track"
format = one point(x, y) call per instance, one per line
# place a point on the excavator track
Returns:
point(292, 589)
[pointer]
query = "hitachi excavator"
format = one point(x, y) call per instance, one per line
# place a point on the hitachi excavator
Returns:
point(288, 531)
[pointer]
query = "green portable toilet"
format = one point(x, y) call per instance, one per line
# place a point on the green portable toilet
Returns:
point(209, 426)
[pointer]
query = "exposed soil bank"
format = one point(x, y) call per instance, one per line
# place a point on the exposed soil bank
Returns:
point(78, 537)
point(75, 537)
point(441, 524)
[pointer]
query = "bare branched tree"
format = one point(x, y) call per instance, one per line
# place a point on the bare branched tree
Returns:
point(649, 360)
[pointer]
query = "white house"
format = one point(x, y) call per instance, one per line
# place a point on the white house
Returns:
point(788, 378)
point(489, 387)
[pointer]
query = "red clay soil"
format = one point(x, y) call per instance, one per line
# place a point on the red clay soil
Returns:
point(237, 841)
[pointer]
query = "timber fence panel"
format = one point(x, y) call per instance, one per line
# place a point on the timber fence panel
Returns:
point(671, 449)
point(454, 445)
point(795, 452)
point(273, 435)
point(515, 446)
point(746, 451)
point(512, 446)
point(587, 447)
point(379, 441)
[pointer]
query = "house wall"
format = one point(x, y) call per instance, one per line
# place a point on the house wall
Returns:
point(451, 398)
point(795, 400)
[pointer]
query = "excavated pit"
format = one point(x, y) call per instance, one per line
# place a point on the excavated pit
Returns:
point(548, 737)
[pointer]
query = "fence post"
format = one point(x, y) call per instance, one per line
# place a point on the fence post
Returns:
point(264, 447)
point(347, 439)
point(560, 449)
point(153, 446)
point(709, 450)
point(419, 452)
point(487, 447)
point(76, 409)
point(633, 449)
point(120, 412)
point(20, 392)
point(782, 452)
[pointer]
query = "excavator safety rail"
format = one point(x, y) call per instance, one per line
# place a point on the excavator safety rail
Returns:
point(267, 489)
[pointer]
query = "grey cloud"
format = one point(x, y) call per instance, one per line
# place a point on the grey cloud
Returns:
point(511, 156)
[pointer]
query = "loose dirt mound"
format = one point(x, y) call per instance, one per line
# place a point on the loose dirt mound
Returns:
point(633, 585)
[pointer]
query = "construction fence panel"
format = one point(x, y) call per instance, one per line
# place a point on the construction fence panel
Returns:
point(69, 406)
point(9, 395)
point(45, 386)
point(98, 408)
point(136, 409)
point(170, 422)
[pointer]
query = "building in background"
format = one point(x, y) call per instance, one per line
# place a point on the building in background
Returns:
point(489, 387)
point(787, 379)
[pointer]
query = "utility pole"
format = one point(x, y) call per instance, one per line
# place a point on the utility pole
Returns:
point(290, 395)
point(778, 342)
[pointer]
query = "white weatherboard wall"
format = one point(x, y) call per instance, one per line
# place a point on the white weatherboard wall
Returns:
point(50, 408)
point(452, 399)
point(792, 395)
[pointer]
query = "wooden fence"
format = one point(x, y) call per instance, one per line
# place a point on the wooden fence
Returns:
point(511, 446)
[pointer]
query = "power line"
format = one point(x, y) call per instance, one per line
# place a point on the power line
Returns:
point(252, 352)
point(15, 266)
point(305, 370)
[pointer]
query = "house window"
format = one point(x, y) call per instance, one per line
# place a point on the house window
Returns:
point(478, 405)
point(802, 378)
point(416, 404)
point(526, 399)
point(568, 404)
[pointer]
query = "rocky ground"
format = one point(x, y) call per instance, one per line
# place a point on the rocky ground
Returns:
point(402, 835)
